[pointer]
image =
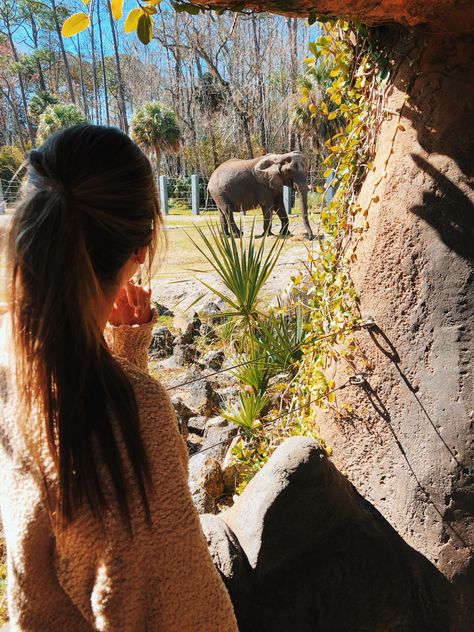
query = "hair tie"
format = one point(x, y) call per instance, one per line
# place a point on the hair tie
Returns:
point(47, 180)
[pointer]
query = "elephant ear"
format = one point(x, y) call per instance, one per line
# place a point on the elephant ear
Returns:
point(268, 171)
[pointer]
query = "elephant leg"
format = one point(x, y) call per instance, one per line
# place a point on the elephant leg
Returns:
point(224, 216)
point(281, 211)
point(267, 221)
point(235, 229)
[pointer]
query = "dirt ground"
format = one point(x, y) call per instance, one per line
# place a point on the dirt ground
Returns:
point(176, 283)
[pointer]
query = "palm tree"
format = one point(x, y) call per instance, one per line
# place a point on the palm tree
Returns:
point(154, 127)
point(57, 117)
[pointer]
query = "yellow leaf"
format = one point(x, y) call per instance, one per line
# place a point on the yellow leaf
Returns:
point(327, 173)
point(400, 127)
point(308, 60)
point(86, 2)
point(131, 22)
point(117, 8)
point(152, 3)
point(319, 189)
point(312, 108)
point(75, 24)
point(375, 199)
point(324, 107)
point(370, 165)
point(305, 92)
point(332, 116)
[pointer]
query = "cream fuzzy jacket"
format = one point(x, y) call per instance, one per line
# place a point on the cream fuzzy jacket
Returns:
point(161, 581)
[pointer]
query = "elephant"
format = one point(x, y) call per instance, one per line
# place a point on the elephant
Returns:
point(240, 185)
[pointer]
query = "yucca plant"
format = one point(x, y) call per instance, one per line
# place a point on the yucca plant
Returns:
point(247, 413)
point(281, 336)
point(242, 268)
point(254, 369)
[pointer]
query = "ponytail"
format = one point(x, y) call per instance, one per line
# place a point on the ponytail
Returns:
point(64, 368)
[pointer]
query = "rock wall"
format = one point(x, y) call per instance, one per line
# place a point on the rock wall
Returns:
point(409, 449)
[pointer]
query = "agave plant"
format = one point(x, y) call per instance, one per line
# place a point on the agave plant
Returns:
point(247, 413)
point(243, 270)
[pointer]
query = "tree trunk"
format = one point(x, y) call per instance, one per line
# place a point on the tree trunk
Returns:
point(34, 35)
point(408, 450)
point(102, 61)
point(31, 132)
point(67, 71)
point(121, 89)
point(260, 87)
point(292, 24)
point(81, 76)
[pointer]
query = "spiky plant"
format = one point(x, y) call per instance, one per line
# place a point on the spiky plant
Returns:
point(155, 128)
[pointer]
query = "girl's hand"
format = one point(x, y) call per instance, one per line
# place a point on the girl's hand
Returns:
point(131, 306)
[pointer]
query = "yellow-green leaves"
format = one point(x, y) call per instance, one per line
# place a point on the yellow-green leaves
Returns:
point(131, 23)
point(86, 2)
point(145, 28)
point(117, 8)
point(75, 24)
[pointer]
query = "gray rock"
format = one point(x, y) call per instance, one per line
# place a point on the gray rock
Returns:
point(213, 359)
point(321, 557)
point(204, 503)
point(217, 437)
point(208, 332)
point(162, 310)
point(229, 396)
point(206, 472)
point(212, 311)
point(161, 345)
point(197, 424)
point(199, 396)
point(183, 354)
point(229, 559)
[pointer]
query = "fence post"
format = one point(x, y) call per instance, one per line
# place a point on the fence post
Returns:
point(195, 194)
point(2, 201)
point(287, 199)
point(163, 182)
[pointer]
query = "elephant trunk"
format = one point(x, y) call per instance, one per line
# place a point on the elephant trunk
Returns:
point(302, 188)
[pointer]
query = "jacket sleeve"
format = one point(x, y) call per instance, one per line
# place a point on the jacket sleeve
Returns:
point(131, 342)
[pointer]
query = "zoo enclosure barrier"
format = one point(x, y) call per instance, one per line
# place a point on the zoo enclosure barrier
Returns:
point(189, 193)
point(9, 193)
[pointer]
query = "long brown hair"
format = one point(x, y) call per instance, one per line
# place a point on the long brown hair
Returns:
point(89, 203)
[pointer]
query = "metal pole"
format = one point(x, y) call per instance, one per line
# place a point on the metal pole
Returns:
point(3, 207)
point(287, 199)
point(163, 184)
point(195, 194)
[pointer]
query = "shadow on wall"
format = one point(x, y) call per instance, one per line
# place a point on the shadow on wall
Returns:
point(448, 210)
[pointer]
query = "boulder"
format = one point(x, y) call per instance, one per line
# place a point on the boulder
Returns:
point(320, 556)
point(212, 311)
point(199, 396)
point(229, 559)
point(183, 355)
point(208, 332)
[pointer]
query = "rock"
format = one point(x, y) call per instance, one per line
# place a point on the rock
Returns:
point(188, 326)
point(183, 413)
point(161, 345)
point(217, 437)
point(322, 557)
point(194, 443)
point(205, 482)
point(229, 396)
point(204, 503)
point(208, 332)
point(213, 359)
point(197, 424)
point(162, 310)
point(199, 396)
point(229, 559)
point(183, 354)
point(230, 470)
point(212, 311)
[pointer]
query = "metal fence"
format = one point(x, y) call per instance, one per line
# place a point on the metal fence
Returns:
point(9, 193)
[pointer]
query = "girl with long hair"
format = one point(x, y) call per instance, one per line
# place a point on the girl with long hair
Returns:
point(100, 528)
